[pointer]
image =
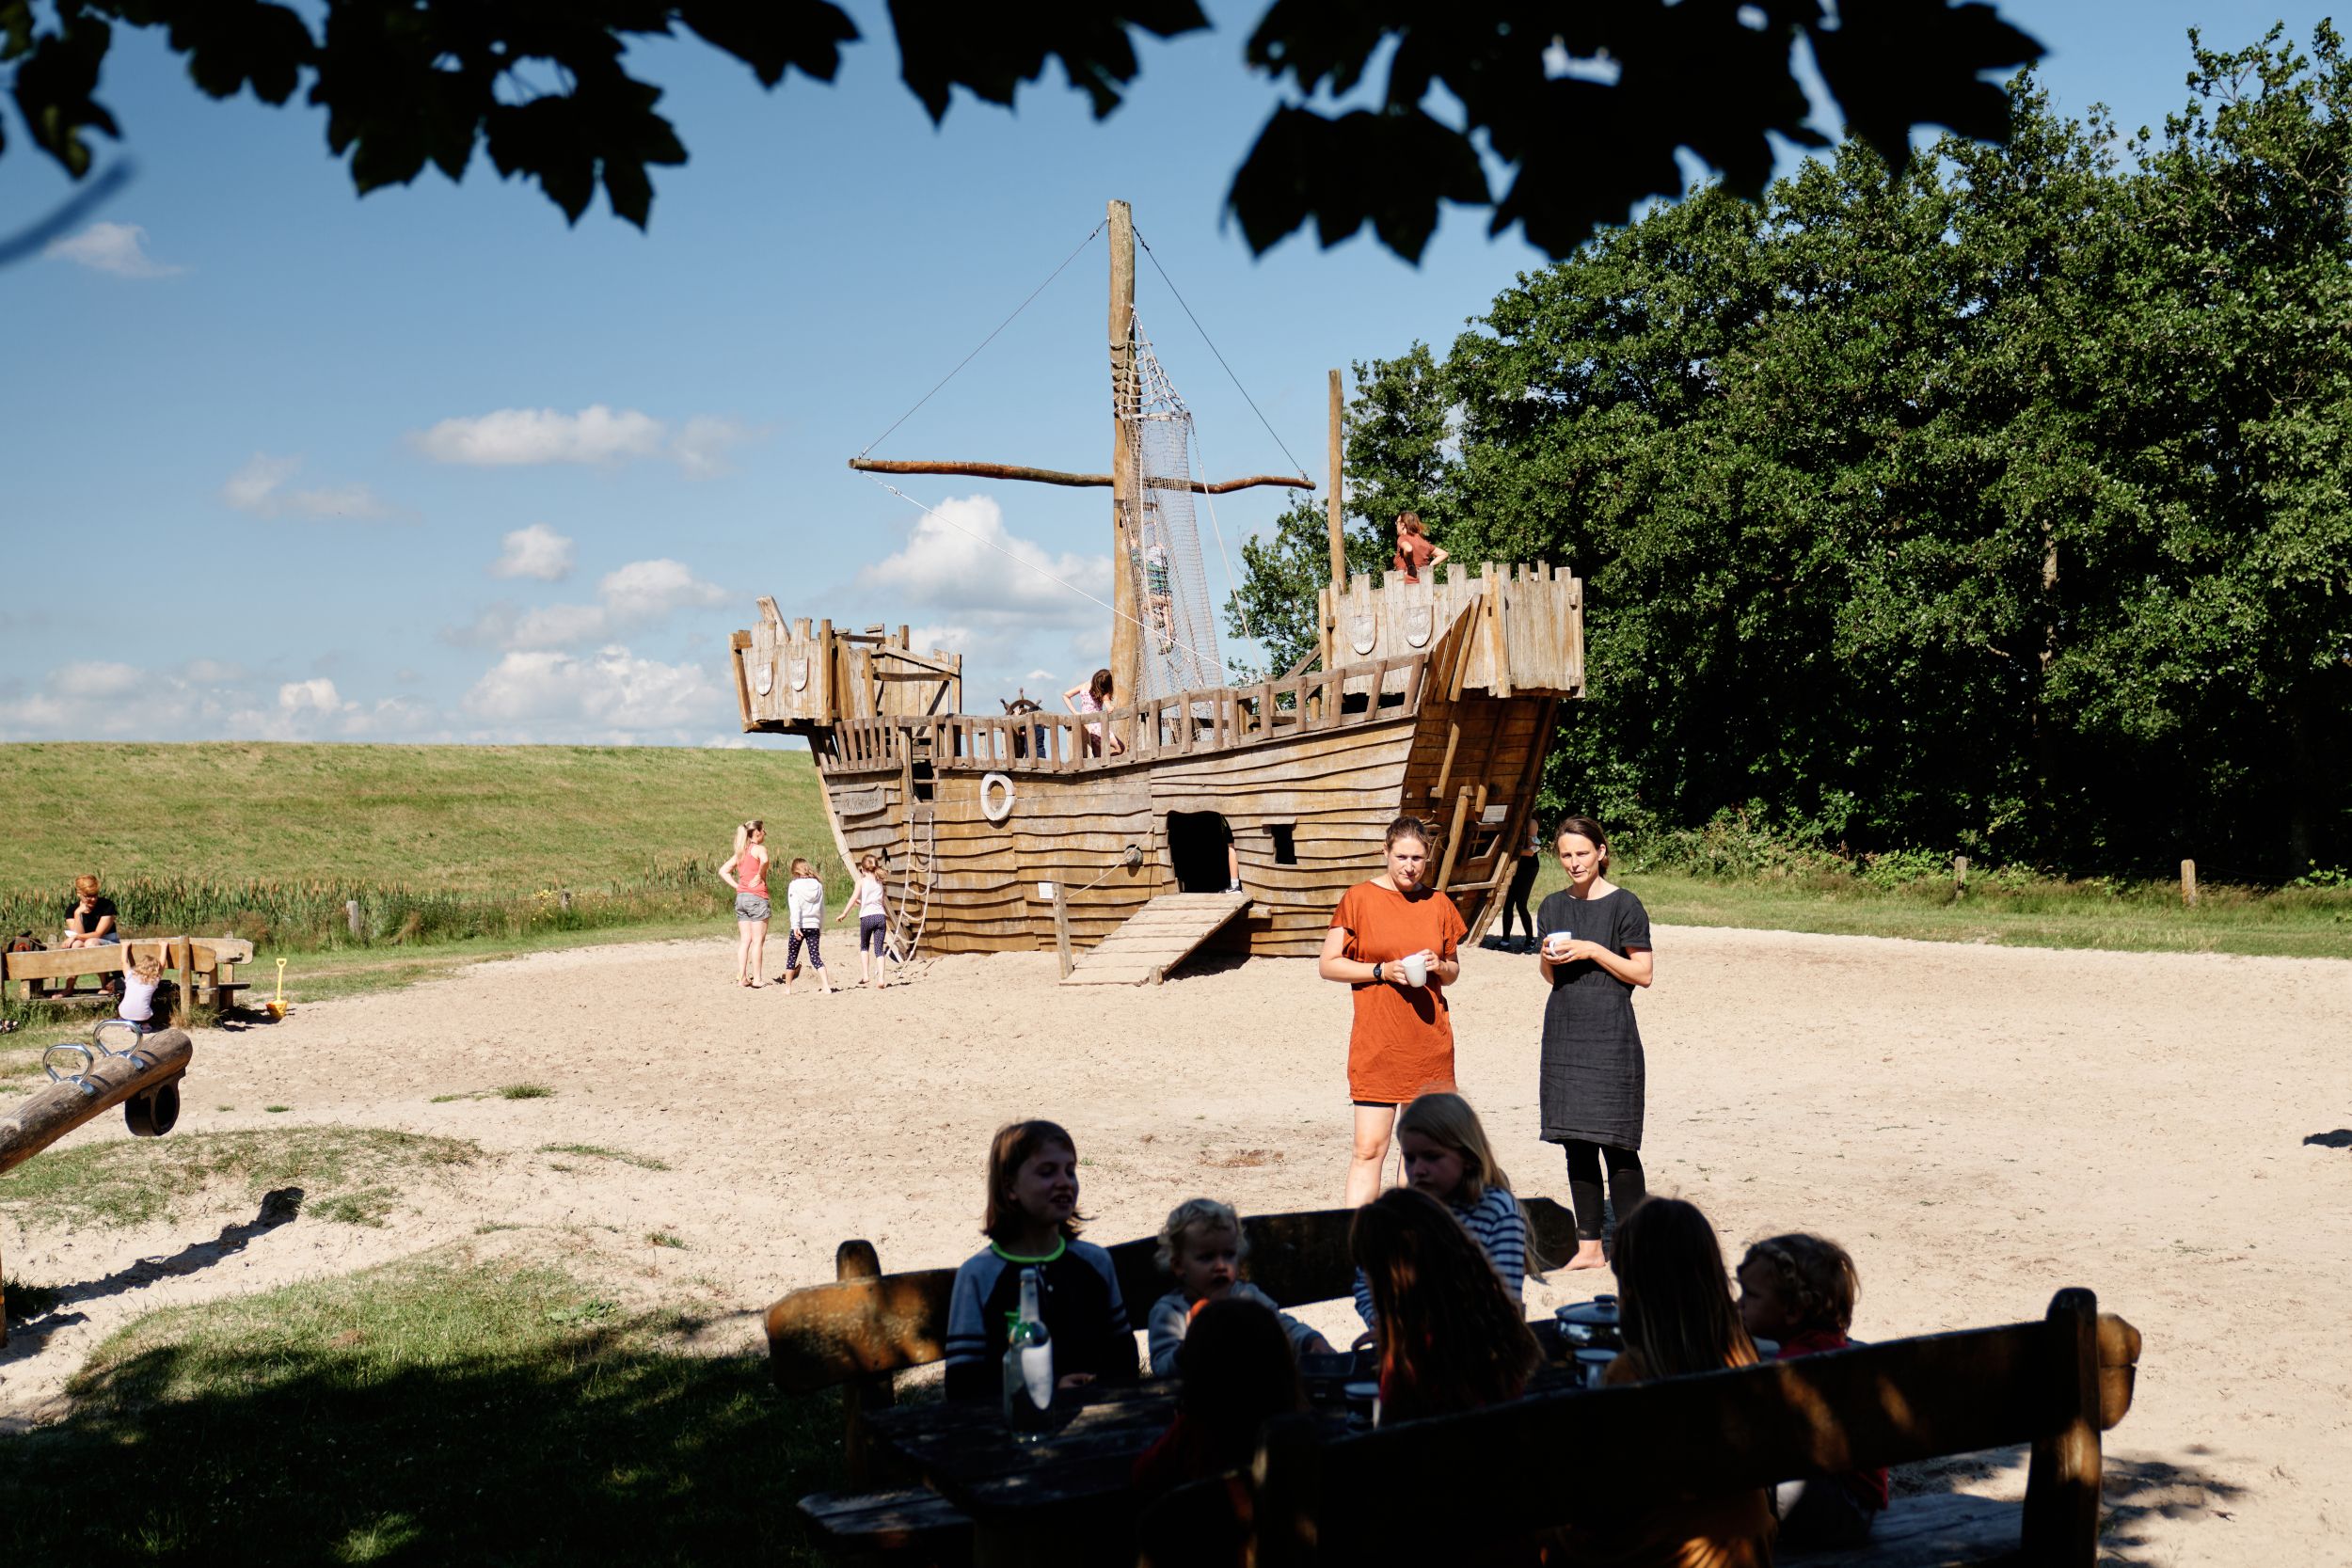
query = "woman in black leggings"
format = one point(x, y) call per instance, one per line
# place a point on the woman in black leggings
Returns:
point(1596, 951)
point(1531, 858)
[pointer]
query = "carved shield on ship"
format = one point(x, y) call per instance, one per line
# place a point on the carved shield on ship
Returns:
point(763, 678)
point(799, 672)
point(1360, 635)
point(1419, 620)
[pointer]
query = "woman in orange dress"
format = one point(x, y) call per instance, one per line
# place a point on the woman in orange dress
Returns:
point(1403, 1040)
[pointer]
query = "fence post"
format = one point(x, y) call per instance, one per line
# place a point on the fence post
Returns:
point(1960, 873)
point(2189, 883)
point(565, 899)
point(1062, 929)
point(351, 914)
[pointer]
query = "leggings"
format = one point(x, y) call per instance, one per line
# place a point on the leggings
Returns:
point(869, 933)
point(1625, 1183)
point(792, 950)
point(1522, 882)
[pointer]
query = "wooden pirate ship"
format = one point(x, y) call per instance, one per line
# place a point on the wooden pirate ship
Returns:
point(1115, 834)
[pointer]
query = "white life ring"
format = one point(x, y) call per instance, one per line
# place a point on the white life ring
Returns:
point(993, 807)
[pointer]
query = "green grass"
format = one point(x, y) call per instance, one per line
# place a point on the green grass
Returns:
point(432, 818)
point(30, 1300)
point(526, 1091)
point(351, 1174)
point(507, 848)
point(2303, 923)
point(597, 1151)
point(434, 1410)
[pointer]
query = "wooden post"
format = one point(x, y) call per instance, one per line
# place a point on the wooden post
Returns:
point(1126, 400)
point(2062, 1522)
point(565, 899)
point(1960, 873)
point(1334, 517)
point(1062, 929)
point(351, 914)
point(186, 1005)
point(857, 1259)
point(1452, 839)
point(2189, 883)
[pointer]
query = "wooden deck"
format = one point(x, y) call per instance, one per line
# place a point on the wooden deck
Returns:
point(1156, 939)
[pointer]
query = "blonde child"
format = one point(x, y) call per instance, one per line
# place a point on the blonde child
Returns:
point(1032, 1220)
point(804, 907)
point(1799, 1290)
point(1447, 1156)
point(140, 984)
point(872, 902)
point(1201, 1248)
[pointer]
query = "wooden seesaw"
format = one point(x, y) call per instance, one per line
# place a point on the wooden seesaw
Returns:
point(143, 1078)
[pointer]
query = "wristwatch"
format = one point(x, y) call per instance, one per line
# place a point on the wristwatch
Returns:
point(1375, 973)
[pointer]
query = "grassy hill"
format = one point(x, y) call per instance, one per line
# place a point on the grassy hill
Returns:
point(432, 818)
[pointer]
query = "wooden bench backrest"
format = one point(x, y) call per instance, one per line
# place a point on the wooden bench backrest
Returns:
point(830, 1333)
point(1535, 1464)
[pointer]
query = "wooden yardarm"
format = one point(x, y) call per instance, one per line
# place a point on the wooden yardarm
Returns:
point(1438, 698)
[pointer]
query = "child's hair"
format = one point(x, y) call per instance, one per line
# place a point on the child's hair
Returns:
point(1450, 1339)
point(1099, 686)
point(1674, 1300)
point(1817, 1277)
point(1198, 1214)
point(870, 863)
point(1584, 827)
point(1448, 1119)
point(149, 967)
point(743, 831)
point(1239, 1374)
point(1411, 523)
point(801, 868)
point(84, 886)
point(1015, 1143)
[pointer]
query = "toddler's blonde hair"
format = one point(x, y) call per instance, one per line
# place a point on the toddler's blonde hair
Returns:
point(1199, 1215)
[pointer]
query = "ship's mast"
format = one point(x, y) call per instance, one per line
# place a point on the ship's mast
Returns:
point(1126, 403)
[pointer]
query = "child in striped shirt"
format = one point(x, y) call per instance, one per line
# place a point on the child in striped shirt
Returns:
point(1447, 1156)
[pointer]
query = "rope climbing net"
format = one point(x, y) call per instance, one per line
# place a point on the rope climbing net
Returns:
point(1171, 587)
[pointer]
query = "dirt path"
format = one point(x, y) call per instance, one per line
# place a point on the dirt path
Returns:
point(1980, 1125)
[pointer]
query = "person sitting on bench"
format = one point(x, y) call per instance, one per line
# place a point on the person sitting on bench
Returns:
point(1799, 1290)
point(89, 921)
point(1450, 1339)
point(1240, 1371)
point(1675, 1310)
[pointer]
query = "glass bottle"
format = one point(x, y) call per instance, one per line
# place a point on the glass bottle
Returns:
point(1029, 1369)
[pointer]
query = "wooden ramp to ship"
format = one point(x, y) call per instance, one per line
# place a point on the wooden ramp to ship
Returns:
point(1156, 939)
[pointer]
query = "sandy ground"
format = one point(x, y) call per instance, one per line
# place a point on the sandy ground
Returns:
point(1980, 1125)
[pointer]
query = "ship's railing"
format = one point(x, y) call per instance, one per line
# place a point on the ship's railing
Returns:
point(1188, 724)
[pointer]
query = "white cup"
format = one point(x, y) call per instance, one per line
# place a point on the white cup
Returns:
point(1553, 940)
point(1416, 969)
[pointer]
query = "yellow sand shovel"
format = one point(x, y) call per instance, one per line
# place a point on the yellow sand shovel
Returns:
point(277, 1005)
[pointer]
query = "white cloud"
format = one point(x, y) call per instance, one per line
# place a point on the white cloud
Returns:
point(316, 695)
point(611, 694)
point(537, 551)
point(120, 248)
point(636, 597)
point(700, 448)
point(95, 680)
point(961, 558)
point(598, 435)
point(259, 489)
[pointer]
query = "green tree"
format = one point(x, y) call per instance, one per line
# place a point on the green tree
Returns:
point(1997, 504)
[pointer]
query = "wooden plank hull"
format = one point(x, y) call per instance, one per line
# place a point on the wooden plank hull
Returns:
point(1306, 809)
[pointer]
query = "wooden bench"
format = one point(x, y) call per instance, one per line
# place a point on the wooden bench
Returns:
point(206, 967)
point(859, 1333)
point(1449, 1484)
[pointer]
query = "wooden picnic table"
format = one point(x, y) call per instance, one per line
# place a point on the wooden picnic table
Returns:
point(1064, 1499)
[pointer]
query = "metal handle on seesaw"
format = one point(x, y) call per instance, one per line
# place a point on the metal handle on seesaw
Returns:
point(79, 1080)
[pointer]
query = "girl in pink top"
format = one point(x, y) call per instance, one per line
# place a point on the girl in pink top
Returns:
point(746, 872)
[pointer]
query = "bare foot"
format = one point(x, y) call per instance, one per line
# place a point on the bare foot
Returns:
point(1588, 1256)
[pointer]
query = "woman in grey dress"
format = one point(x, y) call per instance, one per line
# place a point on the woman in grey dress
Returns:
point(1595, 950)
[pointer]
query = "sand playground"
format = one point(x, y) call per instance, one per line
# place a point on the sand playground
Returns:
point(1980, 1125)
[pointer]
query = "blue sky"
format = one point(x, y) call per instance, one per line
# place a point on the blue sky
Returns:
point(431, 466)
